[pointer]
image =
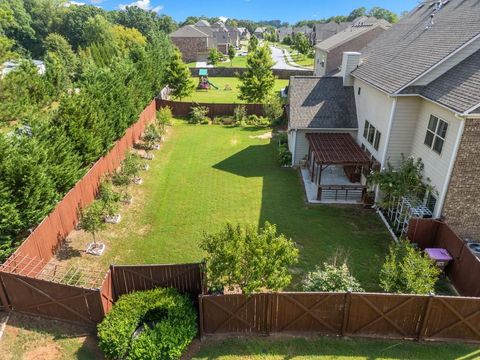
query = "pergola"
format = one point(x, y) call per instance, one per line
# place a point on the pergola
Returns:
point(327, 149)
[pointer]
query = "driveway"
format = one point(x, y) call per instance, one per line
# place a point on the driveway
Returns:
point(279, 59)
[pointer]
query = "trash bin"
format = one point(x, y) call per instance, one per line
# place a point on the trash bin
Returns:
point(440, 256)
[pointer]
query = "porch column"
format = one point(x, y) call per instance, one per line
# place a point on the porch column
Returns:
point(319, 182)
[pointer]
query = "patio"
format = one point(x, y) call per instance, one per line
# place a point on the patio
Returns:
point(333, 169)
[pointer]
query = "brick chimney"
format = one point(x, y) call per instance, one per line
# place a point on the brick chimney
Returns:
point(350, 62)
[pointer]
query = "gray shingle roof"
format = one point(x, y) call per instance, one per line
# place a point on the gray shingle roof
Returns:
point(459, 88)
point(189, 31)
point(321, 102)
point(408, 49)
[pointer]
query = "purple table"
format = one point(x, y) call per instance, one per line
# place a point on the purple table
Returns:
point(440, 256)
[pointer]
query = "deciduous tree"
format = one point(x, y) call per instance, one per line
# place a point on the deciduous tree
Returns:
point(258, 81)
point(177, 76)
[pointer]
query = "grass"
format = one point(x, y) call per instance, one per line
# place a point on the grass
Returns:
point(238, 62)
point(30, 338)
point(206, 175)
point(299, 59)
point(330, 348)
point(221, 95)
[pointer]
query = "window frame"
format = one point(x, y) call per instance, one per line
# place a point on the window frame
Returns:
point(372, 135)
point(435, 136)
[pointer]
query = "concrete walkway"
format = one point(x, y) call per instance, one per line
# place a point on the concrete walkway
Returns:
point(280, 63)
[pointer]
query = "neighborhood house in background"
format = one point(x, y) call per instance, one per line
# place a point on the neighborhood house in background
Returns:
point(417, 93)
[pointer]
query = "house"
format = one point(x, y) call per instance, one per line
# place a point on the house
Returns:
point(259, 32)
point(305, 30)
point(322, 133)
point(9, 66)
point(244, 33)
point(284, 32)
point(221, 36)
point(235, 36)
point(329, 52)
point(417, 93)
point(193, 42)
point(322, 31)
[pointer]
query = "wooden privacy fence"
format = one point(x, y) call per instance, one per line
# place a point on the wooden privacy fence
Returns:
point(234, 72)
point(464, 270)
point(391, 316)
point(45, 239)
point(88, 306)
point(183, 109)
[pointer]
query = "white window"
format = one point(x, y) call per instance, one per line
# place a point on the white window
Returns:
point(436, 133)
point(372, 135)
point(431, 202)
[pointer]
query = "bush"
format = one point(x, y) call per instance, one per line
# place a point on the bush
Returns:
point(331, 278)
point(164, 116)
point(408, 271)
point(284, 155)
point(198, 115)
point(151, 137)
point(109, 198)
point(169, 321)
point(273, 108)
point(254, 120)
point(249, 259)
point(240, 113)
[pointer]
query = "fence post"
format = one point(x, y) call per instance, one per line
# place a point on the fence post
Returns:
point(268, 314)
point(425, 317)
point(346, 312)
point(200, 314)
point(4, 303)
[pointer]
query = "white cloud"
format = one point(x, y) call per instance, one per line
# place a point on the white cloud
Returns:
point(142, 4)
point(70, 3)
point(223, 18)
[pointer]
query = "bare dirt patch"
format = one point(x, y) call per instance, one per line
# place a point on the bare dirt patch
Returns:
point(266, 136)
point(46, 352)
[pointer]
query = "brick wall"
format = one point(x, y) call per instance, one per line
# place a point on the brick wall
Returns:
point(191, 47)
point(462, 204)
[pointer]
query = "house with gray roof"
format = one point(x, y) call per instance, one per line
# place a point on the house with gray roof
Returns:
point(193, 42)
point(417, 93)
point(322, 31)
point(322, 128)
point(329, 52)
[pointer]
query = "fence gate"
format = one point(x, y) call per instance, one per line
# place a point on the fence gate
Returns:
point(59, 301)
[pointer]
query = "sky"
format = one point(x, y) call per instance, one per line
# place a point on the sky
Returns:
point(285, 10)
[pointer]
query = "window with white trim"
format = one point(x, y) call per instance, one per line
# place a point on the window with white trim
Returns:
point(372, 135)
point(436, 133)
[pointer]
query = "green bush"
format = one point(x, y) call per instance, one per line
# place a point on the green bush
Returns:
point(169, 320)
point(255, 120)
point(240, 113)
point(408, 270)
point(284, 155)
point(331, 278)
point(198, 115)
point(273, 107)
point(164, 116)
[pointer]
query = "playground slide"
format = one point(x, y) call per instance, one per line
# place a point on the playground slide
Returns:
point(213, 85)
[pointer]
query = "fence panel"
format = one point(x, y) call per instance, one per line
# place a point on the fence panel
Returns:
point(182, 109)
point(453, 318)
point(186, 278)
point(237, 314)
point(53, 300)
point(308, 312)
point(107, 292)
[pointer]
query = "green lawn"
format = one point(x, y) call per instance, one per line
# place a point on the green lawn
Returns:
point(238, 61)
point(329, 348)
point(221, 95)
point(206, 175)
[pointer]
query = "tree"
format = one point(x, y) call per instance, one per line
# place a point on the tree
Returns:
point(396, 182)
point(177, 76)
point(302, 44)
point(258, 81)
point(384, 14)
point(108, 198)
point(128, 38)
point(58, 45)
point(10, 223)
point(231, 53)
point(408, 270)
point(252, 44)
point(91, 219)
point(331, 277)
point(214, 56)
point(273, 107)
point(356, 13)
point(249, 259)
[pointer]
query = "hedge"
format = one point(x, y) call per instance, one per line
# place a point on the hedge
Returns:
point(169, 320)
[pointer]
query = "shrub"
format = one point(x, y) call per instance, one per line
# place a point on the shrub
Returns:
point(164, 117)
point(331, 278)
point(247, 258)
point(151, 137)
point(240, 113)
point(284, 155)
point(169, 321)
point(198, 115)
point(91, 219)
point(273, 108)
point(408, 271)
point(254, 120)
point(131, 166)
point(109, 198)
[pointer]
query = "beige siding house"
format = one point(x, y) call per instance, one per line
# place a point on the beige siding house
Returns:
point(417, 93)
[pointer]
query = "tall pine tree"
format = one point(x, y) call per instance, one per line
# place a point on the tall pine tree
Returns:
point(177, 76)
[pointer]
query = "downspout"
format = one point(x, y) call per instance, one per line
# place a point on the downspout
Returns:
point(294, 146)
point(443, 195)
